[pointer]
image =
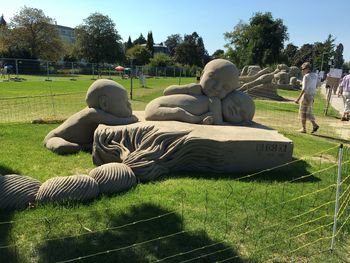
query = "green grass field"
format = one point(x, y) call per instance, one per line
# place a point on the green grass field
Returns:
point(34, 99)
point(281, 215)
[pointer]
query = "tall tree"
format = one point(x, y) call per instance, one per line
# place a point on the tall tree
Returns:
point(172, 41)
point(328, 51)
point(338, 56)
point(140, 40)
point(304, 54)
point(150, 42)
point(288, 54)
point(34, 33)
point(138, 55)
point(237, 46)
point(259, 42)
point(128, 44)
point(202, 52)
point(161, 60)
point(219, 53)
point(98, 40)
point(191, 51)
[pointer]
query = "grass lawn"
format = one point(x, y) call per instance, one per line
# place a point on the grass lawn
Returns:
point(281, 215)
point(29, 100)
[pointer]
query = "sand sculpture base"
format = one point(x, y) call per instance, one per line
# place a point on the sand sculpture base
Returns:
point(204, 148)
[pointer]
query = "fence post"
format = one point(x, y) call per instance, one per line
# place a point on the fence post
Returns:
point(47, 71)
point(131, 74)
point(93, 71)
point(180, 76)
point(109, 71)
point(336, 208)
point(72, 77)
point(16, 61)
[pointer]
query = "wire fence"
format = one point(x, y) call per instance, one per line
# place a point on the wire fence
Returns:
point(31, 69)
point(56, 105)
point(289, 220)
point(285, 213)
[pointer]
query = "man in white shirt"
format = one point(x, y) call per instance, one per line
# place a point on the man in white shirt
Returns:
point(345, 91)
point(307, 94)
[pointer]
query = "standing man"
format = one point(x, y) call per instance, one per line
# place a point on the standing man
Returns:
point(345, 91)
point(307, 95)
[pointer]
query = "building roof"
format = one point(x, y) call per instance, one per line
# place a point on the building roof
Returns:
point(2, 20)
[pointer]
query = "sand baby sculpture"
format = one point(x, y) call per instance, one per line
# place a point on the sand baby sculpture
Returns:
point(236, 107)
point(212, 101)
point(127, 151)
point(107, 104)
point(169, 140)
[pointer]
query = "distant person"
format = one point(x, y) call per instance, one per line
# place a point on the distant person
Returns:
point(2, 71)
point(5, 71)
point(344, 90)
point(307, 94)
point(107, 104)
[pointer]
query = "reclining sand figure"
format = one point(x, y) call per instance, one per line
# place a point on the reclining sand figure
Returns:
point(107, 104)
point(212, 101)
point(219, 78)
point(236, 107)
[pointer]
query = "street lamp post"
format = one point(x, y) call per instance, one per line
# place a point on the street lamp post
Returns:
point(131, 74)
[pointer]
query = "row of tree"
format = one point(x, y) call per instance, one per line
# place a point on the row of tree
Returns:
point(261, 42)
point(32, 34)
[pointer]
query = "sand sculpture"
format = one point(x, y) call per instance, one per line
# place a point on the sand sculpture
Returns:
point(235, 107)
point(294, 72)
point(107, 104)
point(17, 191)
point(148, 150)
point(153, 148)
point(281, 77)
point(213, 101)
point(261, 83)
point(250, 70)
point(219, 78)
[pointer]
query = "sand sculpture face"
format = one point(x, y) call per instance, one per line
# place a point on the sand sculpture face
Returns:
point(110, 97)
point(219, 78)
point(237, 107)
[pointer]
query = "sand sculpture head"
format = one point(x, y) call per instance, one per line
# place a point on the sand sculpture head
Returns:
point(237, 107)
point(219, 77)
point(110, 97)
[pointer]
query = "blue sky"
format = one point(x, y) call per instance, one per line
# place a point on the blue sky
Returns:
point(307, 21)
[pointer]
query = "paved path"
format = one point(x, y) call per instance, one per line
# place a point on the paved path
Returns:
point(342, 128)
point(336, 102)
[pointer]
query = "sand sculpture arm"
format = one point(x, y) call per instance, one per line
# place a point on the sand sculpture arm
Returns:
point(102, 117)
point(246, 79)
point(264, 79)
point(216, 109)
point(192, 89)
point(180, 107)
point(76, 133)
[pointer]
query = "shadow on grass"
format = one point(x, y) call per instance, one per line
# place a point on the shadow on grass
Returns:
point(334, 139)
point(117, 239)
point(296, 172)
point(4, 170)
point(7, 254)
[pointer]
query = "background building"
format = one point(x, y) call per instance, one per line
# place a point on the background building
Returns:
point(66, 33)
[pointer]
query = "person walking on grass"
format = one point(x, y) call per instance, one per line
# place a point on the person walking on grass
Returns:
point(306, 96)
point(344, 90)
